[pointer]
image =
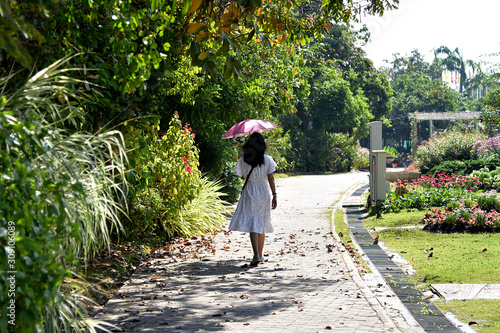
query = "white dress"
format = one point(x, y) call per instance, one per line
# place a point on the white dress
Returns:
point(253, 213)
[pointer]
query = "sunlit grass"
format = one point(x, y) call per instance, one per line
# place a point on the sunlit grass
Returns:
point(484, 312)
point(447, 258)
point(456, 258)
point(391, 220)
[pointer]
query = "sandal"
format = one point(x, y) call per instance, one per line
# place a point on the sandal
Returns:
point(255, 261)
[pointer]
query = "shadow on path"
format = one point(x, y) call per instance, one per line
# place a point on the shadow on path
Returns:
point(425, 313)
point(171, 300)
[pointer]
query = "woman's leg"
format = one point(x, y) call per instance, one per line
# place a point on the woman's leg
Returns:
point(254, 239)
point(262, 238)
point(257, 241)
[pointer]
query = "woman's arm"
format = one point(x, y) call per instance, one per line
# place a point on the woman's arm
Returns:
point(270, 178)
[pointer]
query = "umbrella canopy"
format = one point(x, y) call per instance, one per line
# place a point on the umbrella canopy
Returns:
point(247, 127)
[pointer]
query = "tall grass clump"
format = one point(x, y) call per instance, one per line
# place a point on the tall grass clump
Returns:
point(60, 196)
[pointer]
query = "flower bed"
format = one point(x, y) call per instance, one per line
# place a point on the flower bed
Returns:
point(466, 217)
point(429, 191)
point(456, 203)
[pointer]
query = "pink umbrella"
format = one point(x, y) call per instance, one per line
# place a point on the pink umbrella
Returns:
point(247, 127)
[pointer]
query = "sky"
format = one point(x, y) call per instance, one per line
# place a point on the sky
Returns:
point(472, 26)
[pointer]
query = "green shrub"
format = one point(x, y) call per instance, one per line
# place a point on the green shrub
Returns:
point(391, 151)
point(145, 211)
point(218, 158)
point(341, 152)
point(447, 146)
point(490, 179)
point(171, 190)
point(361, 159)
point(488, 202)
point(429, 191)
point(205, 213)
point(58, 194)
point(463, 168)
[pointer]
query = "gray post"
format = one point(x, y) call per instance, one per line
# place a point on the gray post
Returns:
point(375, 144)
point(375, 135)
point(379, 177)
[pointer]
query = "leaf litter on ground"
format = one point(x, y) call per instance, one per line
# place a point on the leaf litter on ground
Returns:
point(109, 270)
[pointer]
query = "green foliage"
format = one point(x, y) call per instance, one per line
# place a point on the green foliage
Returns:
point(391, 151)
point(492, 100)
point(429, 191)
point(13, 29)
point(343, 149)
point(417, 87)
point(340, 49)
point(463, 168)
point(334, 106)
point(278, 147)
point(170, 169)
point(448, 146)
point(205, 213)
point(361, 159)
point(218, 158)
point(331, 152)
point(59, 195)
point(28, 226)
point(171, 194)
point(490, 178)
point(339, 90)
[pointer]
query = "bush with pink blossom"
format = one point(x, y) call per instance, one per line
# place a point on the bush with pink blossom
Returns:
point(488, 149)
point(447, 146)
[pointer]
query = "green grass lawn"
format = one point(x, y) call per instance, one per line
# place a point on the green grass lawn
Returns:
point(447, 258)
point(390, 220)
point(456, 258)
point(482, 314)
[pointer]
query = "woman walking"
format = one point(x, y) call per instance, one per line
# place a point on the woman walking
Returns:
point(253, 213)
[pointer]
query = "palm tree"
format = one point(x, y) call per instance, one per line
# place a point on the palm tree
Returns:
point(454, 62)
point(477, 80)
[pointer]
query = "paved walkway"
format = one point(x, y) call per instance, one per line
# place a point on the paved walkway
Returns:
point(306, 284)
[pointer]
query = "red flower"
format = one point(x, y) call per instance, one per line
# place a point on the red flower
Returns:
point(183, 159)
point(188, 168)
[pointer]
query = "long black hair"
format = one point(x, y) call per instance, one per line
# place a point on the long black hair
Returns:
point(254, 149)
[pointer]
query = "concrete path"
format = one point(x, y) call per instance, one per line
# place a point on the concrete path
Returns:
point(306, 284)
